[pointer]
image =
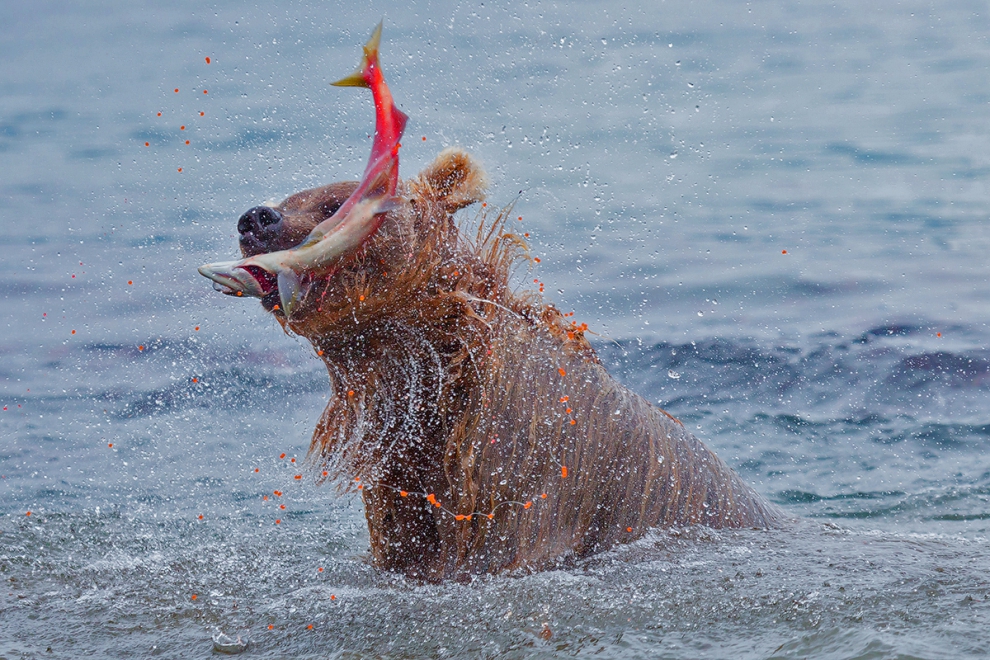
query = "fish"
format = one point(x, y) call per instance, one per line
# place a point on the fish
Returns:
point(332, 241)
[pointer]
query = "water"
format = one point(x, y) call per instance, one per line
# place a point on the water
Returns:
point(667, 157)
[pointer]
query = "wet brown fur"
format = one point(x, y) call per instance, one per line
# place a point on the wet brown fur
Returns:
point(447, 382)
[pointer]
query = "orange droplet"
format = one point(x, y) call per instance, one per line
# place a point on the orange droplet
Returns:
point(543, 496)
point(147, 144)
point(277, 493)
point(564, 398)
point(573, 422)
point(256, 469)
point(278, 521)
point(73, 332)
point(459, 517)
point(350, 392)
point(319, 352)
point(238, 293)
point(431, 498)
point(182, 128)
point(628, 529)
point(292, 460)
point(207, 60)
point(264, 498)
point(298, 476)
point(204, 91)
point(783, 251)
point(325, 473)
point(159, 114)
point(187, 141)
point(28, 513)
point(563, 472)
point(130, 282)
point(282, 455)
point(270, 626)
point(201, 113)
point(424, 138)
point(520, 217)
point(195, 380)
point(141, 348)
point(938, 334)
point(320, 569)
point(403, 493)
point(201, 516)
point(536, 259)
point(561, 372)
point(110, 444)
point(361, 298)
point(194, 596)
point(282, 507)
point(176, 90)
point(528, 504)
point(491, 515)
point(332, 597)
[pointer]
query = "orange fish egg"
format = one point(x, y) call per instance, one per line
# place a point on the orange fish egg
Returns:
point(278, 521)
point(281, 506)
point(270, 626)
point(561, 372)
point(309, 627)
point(320, 569)
point(194, 596)
point(332, 597)
point(282, 455)
point(563, 472)
point(628, 529)
point(298, 476)
point(256, 469)
point(403, 493)
point(543, 496)
point(202, 114)
point(182, 128)
point(325, 473)
point(292, 460)
point(207, 60)
point(180, 169)
point(28, 513)
point(201, 516)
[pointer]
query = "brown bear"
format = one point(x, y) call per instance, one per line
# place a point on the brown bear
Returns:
point(476, 420)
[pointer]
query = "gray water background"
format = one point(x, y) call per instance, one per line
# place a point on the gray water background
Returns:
point(666, 154)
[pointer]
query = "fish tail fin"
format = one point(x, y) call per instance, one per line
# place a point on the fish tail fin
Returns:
point(361, 77)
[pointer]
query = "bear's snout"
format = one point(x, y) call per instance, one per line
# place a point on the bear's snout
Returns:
point(260, 228)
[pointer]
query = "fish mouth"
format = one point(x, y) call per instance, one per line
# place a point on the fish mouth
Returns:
point(236, 278)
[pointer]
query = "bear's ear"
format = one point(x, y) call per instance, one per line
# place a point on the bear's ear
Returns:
point(453, 180)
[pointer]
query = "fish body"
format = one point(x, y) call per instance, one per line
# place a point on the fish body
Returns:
point(343, 233)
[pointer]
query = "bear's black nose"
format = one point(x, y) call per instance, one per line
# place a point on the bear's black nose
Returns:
point(259, 220)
